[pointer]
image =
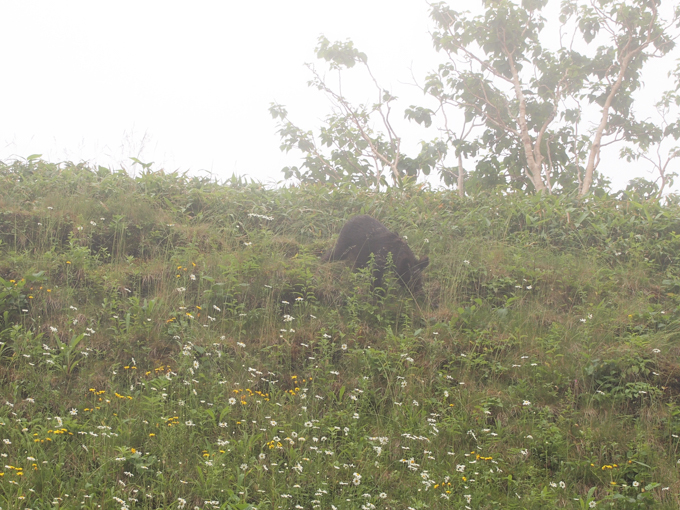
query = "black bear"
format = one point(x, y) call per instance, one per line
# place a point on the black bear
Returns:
point(363, 235)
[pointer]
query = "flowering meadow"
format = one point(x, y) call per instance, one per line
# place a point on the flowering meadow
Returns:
point(167, 341)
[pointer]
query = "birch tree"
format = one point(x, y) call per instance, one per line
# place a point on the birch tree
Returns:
point(357, 142)
point(535, 103)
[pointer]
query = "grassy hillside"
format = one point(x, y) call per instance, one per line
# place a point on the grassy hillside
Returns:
point(170, 342)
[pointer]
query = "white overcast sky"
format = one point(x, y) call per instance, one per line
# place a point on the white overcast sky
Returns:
point(187, 85)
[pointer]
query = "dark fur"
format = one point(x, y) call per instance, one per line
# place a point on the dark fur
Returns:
point(363, 235)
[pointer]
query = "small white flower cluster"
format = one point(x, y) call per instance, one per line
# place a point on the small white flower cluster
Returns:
point(261, 216)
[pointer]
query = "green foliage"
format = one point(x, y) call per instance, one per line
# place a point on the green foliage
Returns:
point(15, 296)
point(172, 342)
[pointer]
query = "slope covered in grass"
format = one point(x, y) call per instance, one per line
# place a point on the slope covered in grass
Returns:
point(171, 342)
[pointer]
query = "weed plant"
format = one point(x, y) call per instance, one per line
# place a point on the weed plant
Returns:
point(168, 341)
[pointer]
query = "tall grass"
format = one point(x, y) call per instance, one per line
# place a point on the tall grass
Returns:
point(169, 341)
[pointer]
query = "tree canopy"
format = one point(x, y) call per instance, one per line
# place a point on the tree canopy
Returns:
point(516, 111)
